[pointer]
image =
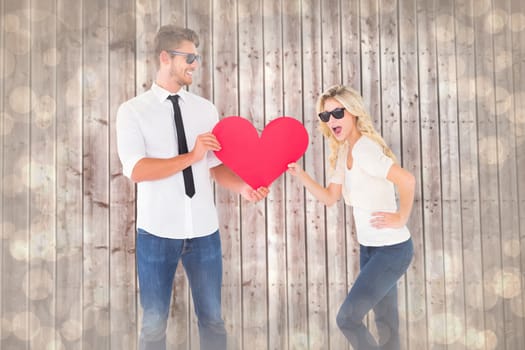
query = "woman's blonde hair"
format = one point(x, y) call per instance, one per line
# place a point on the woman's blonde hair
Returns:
point(353, 103)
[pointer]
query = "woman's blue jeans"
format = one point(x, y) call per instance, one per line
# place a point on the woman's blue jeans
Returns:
point(375, 288)
point(157, 260)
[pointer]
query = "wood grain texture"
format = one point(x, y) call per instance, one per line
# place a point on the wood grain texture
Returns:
point(123, 285)
point(443, 81)
point(16, 149)
point(95, 104)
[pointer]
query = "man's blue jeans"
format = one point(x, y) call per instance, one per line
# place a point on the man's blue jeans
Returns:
point(157, 260)
point(375, 288)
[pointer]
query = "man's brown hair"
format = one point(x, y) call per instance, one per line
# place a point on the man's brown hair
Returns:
point(170, 36)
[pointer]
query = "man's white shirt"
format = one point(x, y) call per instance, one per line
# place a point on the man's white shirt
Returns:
point(146, 129)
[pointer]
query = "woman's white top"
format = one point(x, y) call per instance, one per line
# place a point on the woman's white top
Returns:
point(367, 190)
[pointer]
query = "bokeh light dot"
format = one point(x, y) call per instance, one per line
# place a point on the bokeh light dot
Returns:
point(11, 23)
point(512, 248)
point(503, 60)
point(492, 150)
point(481, 7)
point(71, 330)
point(74, 91)
point(438, 328)
point(145, 7)
point(491, 339)
point(517, 21)
point(455, 328)
point(21, 98)
point(511, 286)
point(495, 22)
point(6, 324)
point(21, 323)
point(19, 249)
point(49, 339)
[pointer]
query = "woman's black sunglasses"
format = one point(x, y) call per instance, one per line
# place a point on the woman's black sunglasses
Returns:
point(190, 57)
point(338, 113)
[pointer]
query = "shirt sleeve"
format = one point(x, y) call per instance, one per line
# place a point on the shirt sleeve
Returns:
point(371, 158)
point(338, 176)
point(130, 141)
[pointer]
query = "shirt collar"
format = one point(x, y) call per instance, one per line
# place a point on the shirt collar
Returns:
point(162, 94)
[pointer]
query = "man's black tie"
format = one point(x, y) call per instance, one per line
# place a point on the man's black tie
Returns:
point(189, 186)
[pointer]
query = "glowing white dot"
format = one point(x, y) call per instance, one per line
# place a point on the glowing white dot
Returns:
point(19, 249)
point(491, 339)
point(511, 287)
point(145, 7)
point(467, 7)
point(11, 23)
point(491, 150)
point(74, 91)
point(299, 341)
point(20, 99)
point(49, 339)
point(438, 328)
point(455, 328)
point(21, 323)
point(517, 21)
point(71, 330)
point(6, 325)
point(503, 60)
point(475, 339)
point(495, 22)
point(511, 248)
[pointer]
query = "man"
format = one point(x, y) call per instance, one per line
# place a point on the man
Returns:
point(176, 215)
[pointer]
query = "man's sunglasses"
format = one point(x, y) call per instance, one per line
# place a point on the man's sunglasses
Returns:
point(190, 57)
point(338, 113)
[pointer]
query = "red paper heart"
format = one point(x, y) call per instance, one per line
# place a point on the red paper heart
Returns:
point(260, 160)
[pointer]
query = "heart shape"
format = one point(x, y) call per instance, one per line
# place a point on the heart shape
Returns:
point(260, 160)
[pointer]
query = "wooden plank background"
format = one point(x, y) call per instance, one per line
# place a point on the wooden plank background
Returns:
point(443, 80)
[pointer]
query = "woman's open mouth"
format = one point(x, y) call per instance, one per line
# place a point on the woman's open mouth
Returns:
point(337, 130)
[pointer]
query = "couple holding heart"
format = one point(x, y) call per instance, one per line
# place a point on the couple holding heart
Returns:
point(171, 143)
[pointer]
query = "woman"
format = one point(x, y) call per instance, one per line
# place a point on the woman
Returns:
point(365, 173)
